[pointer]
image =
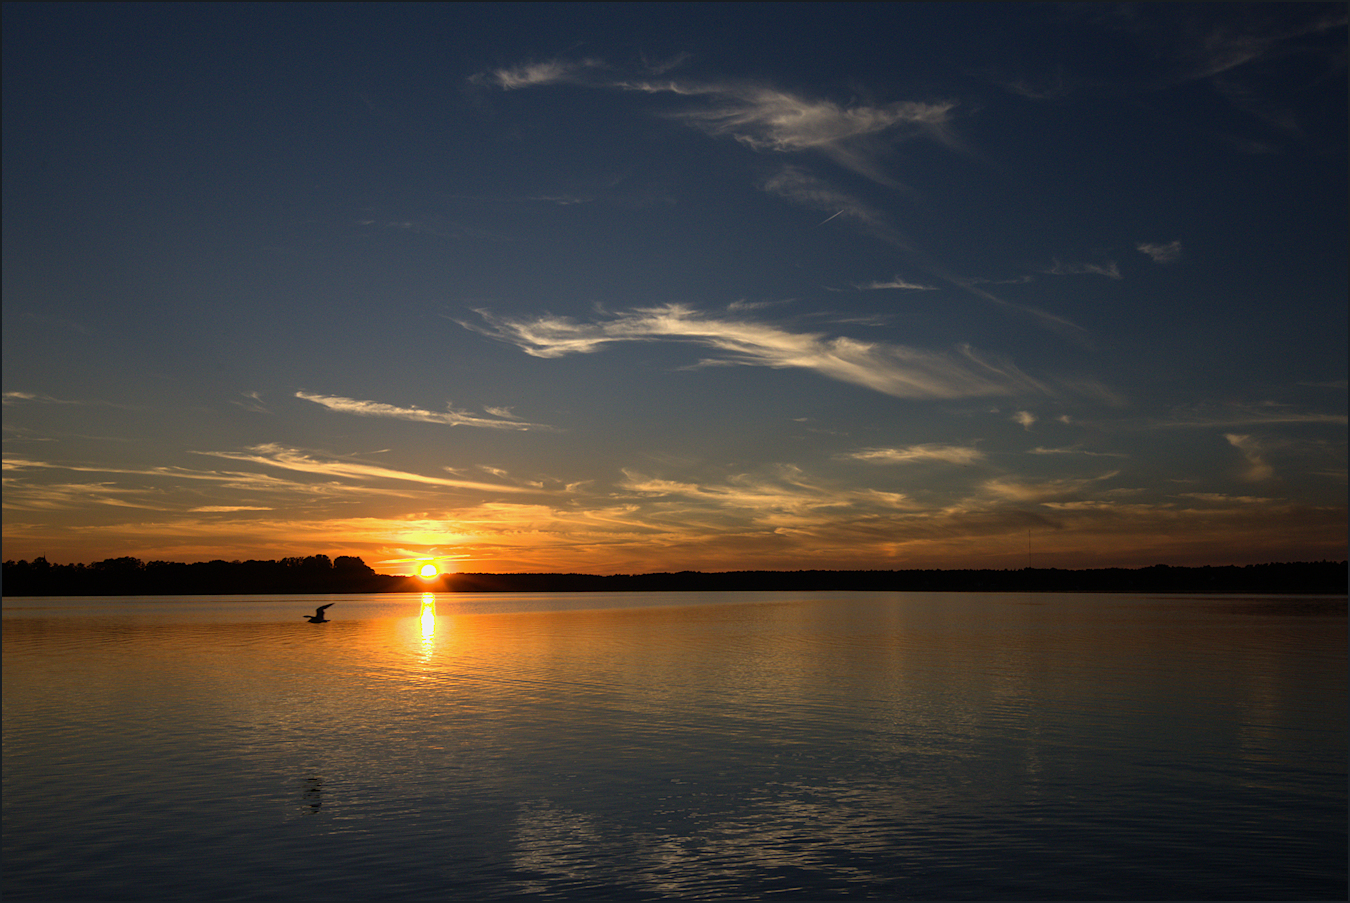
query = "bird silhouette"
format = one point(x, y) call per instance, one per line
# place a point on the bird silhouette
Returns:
point(317, 617)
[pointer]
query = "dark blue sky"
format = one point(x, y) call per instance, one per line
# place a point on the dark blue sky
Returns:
point(639, 287)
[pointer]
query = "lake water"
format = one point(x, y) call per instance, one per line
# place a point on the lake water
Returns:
point(684, 746)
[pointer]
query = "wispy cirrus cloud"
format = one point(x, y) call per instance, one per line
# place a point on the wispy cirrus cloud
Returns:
point(1222, 498)
point(435, 226)
point(782, 501)
point(46, 497)
point(895, 283)
point(766, 118)
point(769, 119)
point(1161, 253)
point(533, 75)
point(789, 491)
point(1076, 451)
point(1256, 469)
point(252, 401)
point(273, 455)
point(914, 454)
point(1231, 52)
point(311, 486)
point(29, 485)
point(1208, 416)
point(800, 187)
point(38, 398)
point(1248, 40)
point(894, 370)
point(1060, 268)
point(500, 418)
point(1015, 280)
point(1041, 491)
point(1055, 86)
point(759, 116)
point(178, 473)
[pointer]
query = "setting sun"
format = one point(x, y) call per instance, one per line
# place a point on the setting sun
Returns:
point(428, 571)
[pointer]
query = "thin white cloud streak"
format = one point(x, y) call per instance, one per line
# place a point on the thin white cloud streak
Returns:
point(742, 304)
point(768, 119)
point(1220, 498)
point(12, 463)
point(1016, 280)
point(21, 492)
point(272, 455)
point(41, 398)
point(533, 75)
point(1108, 269)
point(1159, 253)
point(450, 417)
point(1076, 451)
point(1206, 417)
point(895, 283)
point(913, 454)
point(1239, 416)
point(893, 370)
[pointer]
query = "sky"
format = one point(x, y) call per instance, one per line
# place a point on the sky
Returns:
point(656, 287)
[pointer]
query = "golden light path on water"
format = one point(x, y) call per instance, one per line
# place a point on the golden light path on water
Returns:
point(428, 618)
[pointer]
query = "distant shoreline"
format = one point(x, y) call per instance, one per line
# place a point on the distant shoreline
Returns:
point(316, 574)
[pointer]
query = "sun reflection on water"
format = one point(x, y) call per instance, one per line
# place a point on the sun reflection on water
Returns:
point(428, 619)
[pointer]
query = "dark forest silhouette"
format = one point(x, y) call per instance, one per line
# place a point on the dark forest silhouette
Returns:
point(347, 574)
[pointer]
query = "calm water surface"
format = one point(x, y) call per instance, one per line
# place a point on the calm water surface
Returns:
point(740, 745)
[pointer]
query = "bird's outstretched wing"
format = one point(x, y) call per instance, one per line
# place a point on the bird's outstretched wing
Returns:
point(319, 611)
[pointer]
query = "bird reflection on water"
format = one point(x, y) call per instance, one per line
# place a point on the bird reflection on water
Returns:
point(314, 793)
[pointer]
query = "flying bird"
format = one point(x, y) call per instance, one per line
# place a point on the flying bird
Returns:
point(317, 617)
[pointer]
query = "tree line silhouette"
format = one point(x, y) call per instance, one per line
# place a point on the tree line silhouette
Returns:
point(131, 577)
point(348, 574)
